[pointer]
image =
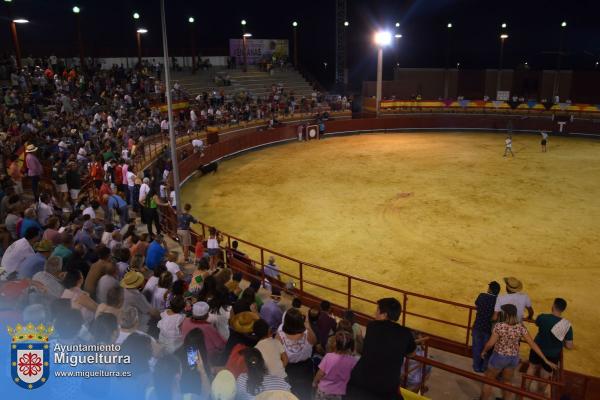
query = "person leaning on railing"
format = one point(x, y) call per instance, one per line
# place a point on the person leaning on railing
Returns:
point(505, 341)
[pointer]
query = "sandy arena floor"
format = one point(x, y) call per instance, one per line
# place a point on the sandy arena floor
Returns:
point(438, 214)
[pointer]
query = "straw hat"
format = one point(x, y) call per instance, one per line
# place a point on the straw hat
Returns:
point(44, 246)
point(243, 322)
point(513, 284)
point(30, 148)
point(132, 280)
point(223, 386)
point(276, 395)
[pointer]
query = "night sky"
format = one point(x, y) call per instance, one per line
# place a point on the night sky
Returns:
point(533, 28)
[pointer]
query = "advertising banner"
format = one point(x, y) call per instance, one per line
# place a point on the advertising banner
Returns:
point(258, 49)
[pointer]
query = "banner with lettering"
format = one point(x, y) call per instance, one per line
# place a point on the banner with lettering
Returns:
point(258, 50)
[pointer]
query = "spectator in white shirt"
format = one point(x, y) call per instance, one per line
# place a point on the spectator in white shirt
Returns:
point(514, 296)
point(18, 251)
point(173, 267)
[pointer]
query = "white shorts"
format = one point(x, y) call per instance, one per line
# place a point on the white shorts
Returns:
point(74, 193)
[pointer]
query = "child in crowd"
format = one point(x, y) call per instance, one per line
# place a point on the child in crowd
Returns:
point(417, 375)
point(170, 336)
point(335, 369)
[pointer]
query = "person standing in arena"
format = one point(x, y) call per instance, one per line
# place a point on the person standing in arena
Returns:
point(544, 141)
point(508, 146)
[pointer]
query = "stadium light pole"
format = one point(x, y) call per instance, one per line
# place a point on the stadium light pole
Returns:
point(449, 27)
point(15, 37)
point(172, 140)
point(138, 39)
point(295, 28)
point(503, 37)
point(382, 39)
point(192, 21)
point(139, 34)
point(555, 90)
point(245, 68)
point(76, 10)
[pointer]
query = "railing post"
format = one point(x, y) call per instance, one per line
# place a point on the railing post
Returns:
point(349, 292)
point(404, 300)
point(468, 330)
point(424, 367)
point(301, 275)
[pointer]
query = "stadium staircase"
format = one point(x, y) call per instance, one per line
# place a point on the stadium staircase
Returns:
point(257, 83)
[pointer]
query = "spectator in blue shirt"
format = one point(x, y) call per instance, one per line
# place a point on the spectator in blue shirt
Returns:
point(114, 202)
point(84, 237)
point(156, 252)
point(482, 327)
point(35, 262)
point(29, 220)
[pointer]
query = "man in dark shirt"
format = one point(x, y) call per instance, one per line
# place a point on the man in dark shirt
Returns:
point(377, 373)
point(325, 323)
point(482, 327)
point(554, 333)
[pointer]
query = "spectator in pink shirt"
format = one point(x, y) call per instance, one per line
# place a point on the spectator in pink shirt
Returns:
point(213, 341)
point(335, 369)
point(34, 169)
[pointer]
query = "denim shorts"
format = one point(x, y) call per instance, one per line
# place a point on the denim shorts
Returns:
point(498, 361)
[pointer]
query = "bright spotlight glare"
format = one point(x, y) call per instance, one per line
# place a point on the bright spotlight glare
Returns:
point(20, 21)
point(504, 25)
point(504, 36)
point(398, 35)
point(243, 22)
point(564, 24)
point(383, 38)
point(76, 10)
point(247, 34)
point(397, 24)
point(294, 24)
point(142, 30)
point(346, 23)
point(136, 16)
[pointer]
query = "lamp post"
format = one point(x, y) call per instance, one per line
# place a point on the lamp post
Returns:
point(382, 39)
point(76, 10)
point(191, 20)
point(449, 27)
point(15, 37)
point(245, 60)
point(295, 28)
point(503, 37)
point(139, 34)
point(138, 39)
point(555, 90)
point(173, 141)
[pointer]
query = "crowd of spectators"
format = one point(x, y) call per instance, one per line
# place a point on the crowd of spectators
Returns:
point(74, 256)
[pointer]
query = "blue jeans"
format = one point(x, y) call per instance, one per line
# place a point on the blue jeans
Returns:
point(480, 338)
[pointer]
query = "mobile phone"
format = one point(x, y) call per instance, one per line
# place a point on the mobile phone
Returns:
point(192, 357)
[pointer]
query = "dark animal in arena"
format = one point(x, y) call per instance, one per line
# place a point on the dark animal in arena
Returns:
point(210, 167)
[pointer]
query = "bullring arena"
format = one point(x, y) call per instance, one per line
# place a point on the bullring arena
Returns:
point(433, 213)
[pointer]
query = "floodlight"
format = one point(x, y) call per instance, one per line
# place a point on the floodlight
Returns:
point(383, 38)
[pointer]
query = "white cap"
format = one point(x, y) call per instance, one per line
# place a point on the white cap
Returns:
point(200, 309)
